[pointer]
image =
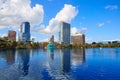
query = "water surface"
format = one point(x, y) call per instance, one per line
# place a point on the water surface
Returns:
point(56, 64)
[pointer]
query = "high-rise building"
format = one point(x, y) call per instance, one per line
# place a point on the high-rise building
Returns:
point(64, 33)
point(24, 32)
point(11, 35)
point(52, 39)
point(78, 38)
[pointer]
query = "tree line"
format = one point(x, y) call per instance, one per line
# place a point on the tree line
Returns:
point(5, 43)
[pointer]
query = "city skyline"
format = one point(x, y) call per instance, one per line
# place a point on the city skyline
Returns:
point(98, 20)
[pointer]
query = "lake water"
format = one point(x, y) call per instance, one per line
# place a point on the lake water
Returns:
point(65, 64)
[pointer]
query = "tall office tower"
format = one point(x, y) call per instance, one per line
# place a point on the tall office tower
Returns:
point(24, 32)
point(11, 35)
point(78, 38)
point(64, 33)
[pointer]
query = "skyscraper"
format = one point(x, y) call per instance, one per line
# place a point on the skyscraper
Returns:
point(11, 35)
point(24, 32)
point(64, 33)
point(78, 38)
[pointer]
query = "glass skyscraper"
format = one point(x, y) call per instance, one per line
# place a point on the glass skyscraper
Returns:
point(64, 33)
point(24, 32)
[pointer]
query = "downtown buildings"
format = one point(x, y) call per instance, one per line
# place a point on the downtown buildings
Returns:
point(11, 35)
point(24, 35)
point(64, 33)
point(78, 38)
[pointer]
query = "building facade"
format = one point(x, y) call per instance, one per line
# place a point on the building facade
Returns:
point(51, 39)
point(24, 35)
point(78, 38)
point(64, 33)
point(11, 35)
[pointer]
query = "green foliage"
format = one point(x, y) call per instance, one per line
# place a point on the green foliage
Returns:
point(5, 43)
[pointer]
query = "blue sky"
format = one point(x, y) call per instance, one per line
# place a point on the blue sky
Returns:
point(97, 19)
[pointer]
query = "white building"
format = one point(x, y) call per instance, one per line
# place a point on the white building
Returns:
point(64, 33)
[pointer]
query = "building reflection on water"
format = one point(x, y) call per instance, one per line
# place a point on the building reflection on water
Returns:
point(78, 56)
point(65, 60)
point(24, 58)
point(8, 55)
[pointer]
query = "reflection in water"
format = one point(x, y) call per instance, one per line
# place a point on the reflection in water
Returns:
point(56, 64)
point(65, 60)
point(24, 60)
point(78, 56)
point(51, 53)
point(9, 56)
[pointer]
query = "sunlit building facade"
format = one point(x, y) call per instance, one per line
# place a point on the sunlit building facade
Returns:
point(78, 38)
point(11, 35)
point(64, 33)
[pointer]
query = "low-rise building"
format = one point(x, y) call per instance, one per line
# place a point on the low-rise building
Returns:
point(78, 38)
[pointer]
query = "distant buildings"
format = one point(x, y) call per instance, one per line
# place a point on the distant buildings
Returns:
point(11, 35)
point(51, 39)
point(64, 33)
point(24, 35)
point(78, 38)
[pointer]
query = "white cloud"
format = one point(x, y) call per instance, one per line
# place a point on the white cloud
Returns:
point(111, 7)
point(67, 13)
point(13, 12)
point(3, 35)
point(100, 24)
point(74, 30)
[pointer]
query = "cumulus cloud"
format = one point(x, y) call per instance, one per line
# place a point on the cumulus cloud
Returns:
point(111, 7)
point(14, 12)
point(100, 24)
point(74, 30)
point(66, 14)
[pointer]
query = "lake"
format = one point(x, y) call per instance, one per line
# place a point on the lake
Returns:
point(60, 64)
